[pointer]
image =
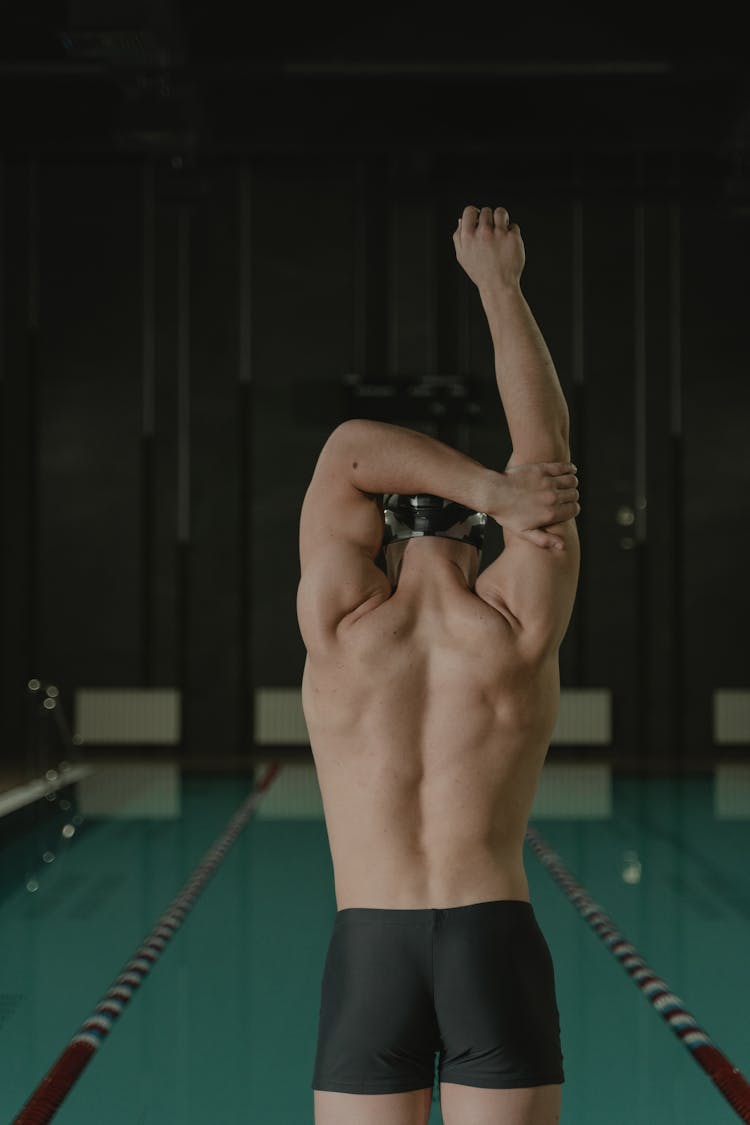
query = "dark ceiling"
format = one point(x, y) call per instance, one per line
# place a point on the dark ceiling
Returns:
point(196, 81)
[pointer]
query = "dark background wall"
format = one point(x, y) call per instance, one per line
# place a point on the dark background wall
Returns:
point(214, 243)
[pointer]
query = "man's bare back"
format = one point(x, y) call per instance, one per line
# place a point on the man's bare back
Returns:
point(430, 695)
point(429, 726)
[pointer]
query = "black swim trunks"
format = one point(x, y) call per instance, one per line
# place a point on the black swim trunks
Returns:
point(473, 983)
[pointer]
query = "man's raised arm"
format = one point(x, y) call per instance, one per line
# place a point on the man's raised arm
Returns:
point(378, 457)
point(491, 251)
point(388, 458)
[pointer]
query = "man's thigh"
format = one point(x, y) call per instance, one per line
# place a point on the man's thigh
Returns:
point(412, 1108)
point(531, 1105)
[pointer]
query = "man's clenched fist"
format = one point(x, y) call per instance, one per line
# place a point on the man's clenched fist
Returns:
point(489, 247)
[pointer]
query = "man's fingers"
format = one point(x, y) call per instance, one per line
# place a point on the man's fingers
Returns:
point(566, 507)
point(543, 539)
point(563, 488)
point(557, 467)
point(565, 481)
point(468, 219)
point(484, 216)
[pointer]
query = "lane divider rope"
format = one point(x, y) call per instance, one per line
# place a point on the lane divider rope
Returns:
point(728, 1079)
point(47, 1098)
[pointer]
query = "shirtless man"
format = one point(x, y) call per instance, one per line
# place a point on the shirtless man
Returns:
point(430, 696)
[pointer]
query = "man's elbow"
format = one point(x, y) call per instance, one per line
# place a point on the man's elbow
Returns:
point(542, 443)
point(562, 440)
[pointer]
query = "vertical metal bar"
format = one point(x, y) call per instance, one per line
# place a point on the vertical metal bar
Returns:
point(148, 359)
point(467, 429)
point(182, 630)
point(392, 276)
point(2, 287)
point(432, 290)
point(445, 359)
point(578, 414)
point(34, 246)
point(446, 428)
point(640, 453)
point(643, 645)
point(183, 377)
point(678, 615)
point(148, 424)
point(244, 245)
point(360, 294)
point(246, 695)
point(675, 320)
point(465, 301)
point(32, 569)
point(465, 295)
point(577, 303)
point(5, 708)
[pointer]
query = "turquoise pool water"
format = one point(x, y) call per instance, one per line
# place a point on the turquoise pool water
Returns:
point(224, 1027)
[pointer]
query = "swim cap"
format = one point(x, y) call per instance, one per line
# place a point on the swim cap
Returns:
point(410, 517)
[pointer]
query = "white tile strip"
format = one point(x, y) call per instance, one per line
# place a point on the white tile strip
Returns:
point(132, 791)
point(731, 716)
point(294, 796)
point(574, 792)
point(279, 718)
point(732, 791)
point(121, 716)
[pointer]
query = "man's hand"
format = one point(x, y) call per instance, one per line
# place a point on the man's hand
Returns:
point(528, 498)
point(489, 247)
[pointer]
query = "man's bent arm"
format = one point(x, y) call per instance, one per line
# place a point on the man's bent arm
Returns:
point(532, 397)
point(380, 457)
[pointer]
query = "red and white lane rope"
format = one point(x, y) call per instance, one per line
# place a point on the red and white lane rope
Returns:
point(56, 1084)
point(729, 1080)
